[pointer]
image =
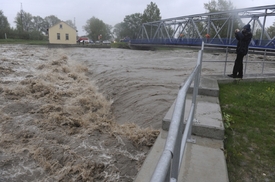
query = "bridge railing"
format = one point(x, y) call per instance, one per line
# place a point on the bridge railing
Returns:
point(197, 42)
point(170, 161)
point(254, 48)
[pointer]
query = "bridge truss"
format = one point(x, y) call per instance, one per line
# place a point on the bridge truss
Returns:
point(220, 27)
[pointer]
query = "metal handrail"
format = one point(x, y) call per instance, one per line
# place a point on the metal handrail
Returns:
point(259, 50)
point(169, 164)
point(170, 161)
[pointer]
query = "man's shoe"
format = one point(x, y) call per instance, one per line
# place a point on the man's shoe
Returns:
point(238, 76)
point(232, 76)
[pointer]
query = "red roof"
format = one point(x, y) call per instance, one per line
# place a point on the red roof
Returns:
point(83, 38)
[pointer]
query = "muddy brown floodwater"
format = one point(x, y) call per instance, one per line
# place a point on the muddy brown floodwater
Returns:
point(81, 114)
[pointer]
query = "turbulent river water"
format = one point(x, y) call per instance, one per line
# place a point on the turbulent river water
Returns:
point(80, 114)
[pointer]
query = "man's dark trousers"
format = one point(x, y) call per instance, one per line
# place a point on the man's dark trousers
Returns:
point(238, 66)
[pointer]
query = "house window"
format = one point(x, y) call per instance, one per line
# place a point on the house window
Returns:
point(58, 36)
point(67, 36)
point(60, 26)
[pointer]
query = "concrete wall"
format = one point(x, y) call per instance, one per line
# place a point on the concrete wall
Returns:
point(66, 32)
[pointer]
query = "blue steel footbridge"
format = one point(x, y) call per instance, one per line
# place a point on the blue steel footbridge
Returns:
point(215, 28)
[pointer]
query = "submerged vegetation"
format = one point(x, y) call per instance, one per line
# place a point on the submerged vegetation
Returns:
point(248, 114)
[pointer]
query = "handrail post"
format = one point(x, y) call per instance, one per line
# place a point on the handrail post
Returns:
point(195, 90)
point(169, 164)
point(263, 61)
point(177, 147)
point(245, 63)
point(225, 63)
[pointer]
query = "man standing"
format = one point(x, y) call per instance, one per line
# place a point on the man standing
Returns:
point(244, 38)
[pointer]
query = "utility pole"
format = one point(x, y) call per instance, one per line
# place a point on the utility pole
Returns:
point(21, 16)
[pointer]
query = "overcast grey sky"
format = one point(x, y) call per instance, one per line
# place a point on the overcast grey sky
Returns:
point(110, 11)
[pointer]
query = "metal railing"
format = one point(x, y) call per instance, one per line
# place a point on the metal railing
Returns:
point(252, 50)
point(222, 42)
point(169, 164)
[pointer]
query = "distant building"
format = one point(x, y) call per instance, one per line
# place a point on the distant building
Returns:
point(62, 33)
point(85, 39)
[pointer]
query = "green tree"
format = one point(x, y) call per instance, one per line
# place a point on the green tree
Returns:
point(191, 32)
point(217, 6)
point(221, 5)
point(97, 29)
point(4, 25)
point(151, 13)
point(51, 20)
point(271, 30)
point(24, 22)
point(39, 24)
point(29, 27)
point(24, 25)
point(120, 31)
point(257, 34)
point(129, 27)
point(109, 34)
point(132, 24)
point(70, 23)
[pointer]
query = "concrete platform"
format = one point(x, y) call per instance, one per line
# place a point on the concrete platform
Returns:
point(203, 161)
point(208, 115)
point(208, 86)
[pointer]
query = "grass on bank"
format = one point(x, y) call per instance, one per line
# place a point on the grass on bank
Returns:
point(22, 41)
point(249, 117)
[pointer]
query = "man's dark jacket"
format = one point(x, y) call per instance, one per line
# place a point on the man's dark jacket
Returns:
point(244, 38)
